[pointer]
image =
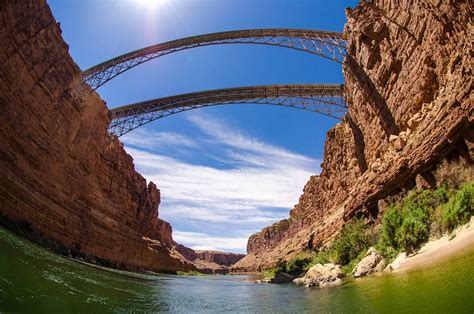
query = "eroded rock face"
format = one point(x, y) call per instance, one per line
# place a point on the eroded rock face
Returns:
point(187, 252)
point(64, 181)
point(321, 276)
point(371, 263)
point(408, 79)
point(220, 258)
point(210, 262)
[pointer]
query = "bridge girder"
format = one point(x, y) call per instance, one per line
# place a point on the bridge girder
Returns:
point(326, 99)
point(329, 45)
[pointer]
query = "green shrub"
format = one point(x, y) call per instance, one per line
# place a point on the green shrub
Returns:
point(406, 225)
point(458, 210)
point(297, 265)
point(387, 251)
point(413, 232)
point(321, 257)
point(269, 273)
point(437, 228)
point(391, 223)
point(347, 269)
point(416, 214)
point(441, 195)
point(352, 240)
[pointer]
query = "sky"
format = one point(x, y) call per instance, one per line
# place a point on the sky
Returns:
point(224, 172)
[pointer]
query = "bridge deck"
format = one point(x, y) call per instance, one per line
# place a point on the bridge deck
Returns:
point(325, 99)
point(330, 45)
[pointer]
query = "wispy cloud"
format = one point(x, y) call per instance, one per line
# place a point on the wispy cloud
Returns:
point(145, 138)
point(224, 134)
point(261, 183)
point(202, 241)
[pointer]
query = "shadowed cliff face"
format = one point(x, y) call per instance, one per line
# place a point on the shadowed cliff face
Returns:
point(64, 181)
point(408, 82)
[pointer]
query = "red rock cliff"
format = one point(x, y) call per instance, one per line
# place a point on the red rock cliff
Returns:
point(210, 262)
point(62, 178)
point(408, 76)
point(220, 258)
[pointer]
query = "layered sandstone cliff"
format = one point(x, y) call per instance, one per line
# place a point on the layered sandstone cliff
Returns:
point(210, 262)
point(408, 76)
point(220, 258)
point(63, 180)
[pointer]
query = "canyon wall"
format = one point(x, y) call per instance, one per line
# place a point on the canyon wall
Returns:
point(64, 182)
point(210, 262)
point(220, 258)
point(408, 76)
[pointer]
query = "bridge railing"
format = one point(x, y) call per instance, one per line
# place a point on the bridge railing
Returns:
point(330, 45)
point(325, 99)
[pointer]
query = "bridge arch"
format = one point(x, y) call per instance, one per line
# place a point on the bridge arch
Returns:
point(326, 99)
point(330, 45)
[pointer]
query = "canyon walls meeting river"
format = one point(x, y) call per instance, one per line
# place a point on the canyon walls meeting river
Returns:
point(408, 76)
point(69, 185)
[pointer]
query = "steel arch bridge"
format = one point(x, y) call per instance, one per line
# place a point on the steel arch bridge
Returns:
point(326, 99)
point(330, 45)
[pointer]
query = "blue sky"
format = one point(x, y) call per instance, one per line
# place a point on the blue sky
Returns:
point(227, 171)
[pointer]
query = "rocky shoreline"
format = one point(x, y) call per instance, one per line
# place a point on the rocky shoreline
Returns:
point(433, 252)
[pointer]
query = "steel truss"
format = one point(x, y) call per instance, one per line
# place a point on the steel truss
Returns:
point(329, 45)
point(326, 99)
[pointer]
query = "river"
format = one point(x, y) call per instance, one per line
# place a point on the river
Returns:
point(33, 279)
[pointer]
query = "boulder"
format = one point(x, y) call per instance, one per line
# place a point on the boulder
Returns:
point(425, 180)
point(397, 142)
point(371, 263)
point(321, 276)
point(395, 264)
point(282, 278)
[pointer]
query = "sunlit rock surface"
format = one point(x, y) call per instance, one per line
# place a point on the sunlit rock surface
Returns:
point(321, 276)
point(408, 76)
point(63, 181)
point(371, 263)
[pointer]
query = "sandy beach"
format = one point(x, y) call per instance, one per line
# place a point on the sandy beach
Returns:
point(439, 249)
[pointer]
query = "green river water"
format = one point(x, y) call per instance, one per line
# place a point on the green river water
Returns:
point(34, 280)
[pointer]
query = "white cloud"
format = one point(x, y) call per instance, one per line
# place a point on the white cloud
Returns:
point(274, 186)
point(226, 134)
point(146, 138)
point(234, 213)
point(260, 185)
point(202, 241)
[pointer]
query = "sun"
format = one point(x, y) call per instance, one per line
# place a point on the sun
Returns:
point(152, 3)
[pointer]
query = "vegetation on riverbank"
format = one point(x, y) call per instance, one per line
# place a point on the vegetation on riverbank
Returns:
point(405, 226)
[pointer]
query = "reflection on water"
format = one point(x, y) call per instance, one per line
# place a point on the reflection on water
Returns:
point(33, 279)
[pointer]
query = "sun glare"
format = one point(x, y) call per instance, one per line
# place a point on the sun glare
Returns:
point(152, 3)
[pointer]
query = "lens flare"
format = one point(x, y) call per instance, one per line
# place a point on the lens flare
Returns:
point(152, 3)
